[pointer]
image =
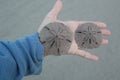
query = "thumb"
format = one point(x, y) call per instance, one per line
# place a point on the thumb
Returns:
point(51, 16)
point(56, 10)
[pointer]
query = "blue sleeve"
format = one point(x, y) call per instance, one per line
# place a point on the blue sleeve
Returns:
point(21, 57)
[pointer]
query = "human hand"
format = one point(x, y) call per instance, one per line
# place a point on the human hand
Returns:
point(71, 27)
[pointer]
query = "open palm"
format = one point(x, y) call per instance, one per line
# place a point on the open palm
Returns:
point(52, 17)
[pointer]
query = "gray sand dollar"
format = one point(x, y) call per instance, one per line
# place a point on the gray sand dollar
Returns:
point(88, 35)
point(56, 38)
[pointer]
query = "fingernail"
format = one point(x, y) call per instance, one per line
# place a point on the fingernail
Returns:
point(95, 58)
point(106, 41)
point(108, 32)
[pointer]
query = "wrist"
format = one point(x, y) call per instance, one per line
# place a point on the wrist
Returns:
point(45, 54)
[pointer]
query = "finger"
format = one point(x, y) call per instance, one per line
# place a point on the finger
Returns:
point(87, 55)
point(105, 32)
point(99, 24)
point(104, 41)
point(56, 10)
point(51, 16)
